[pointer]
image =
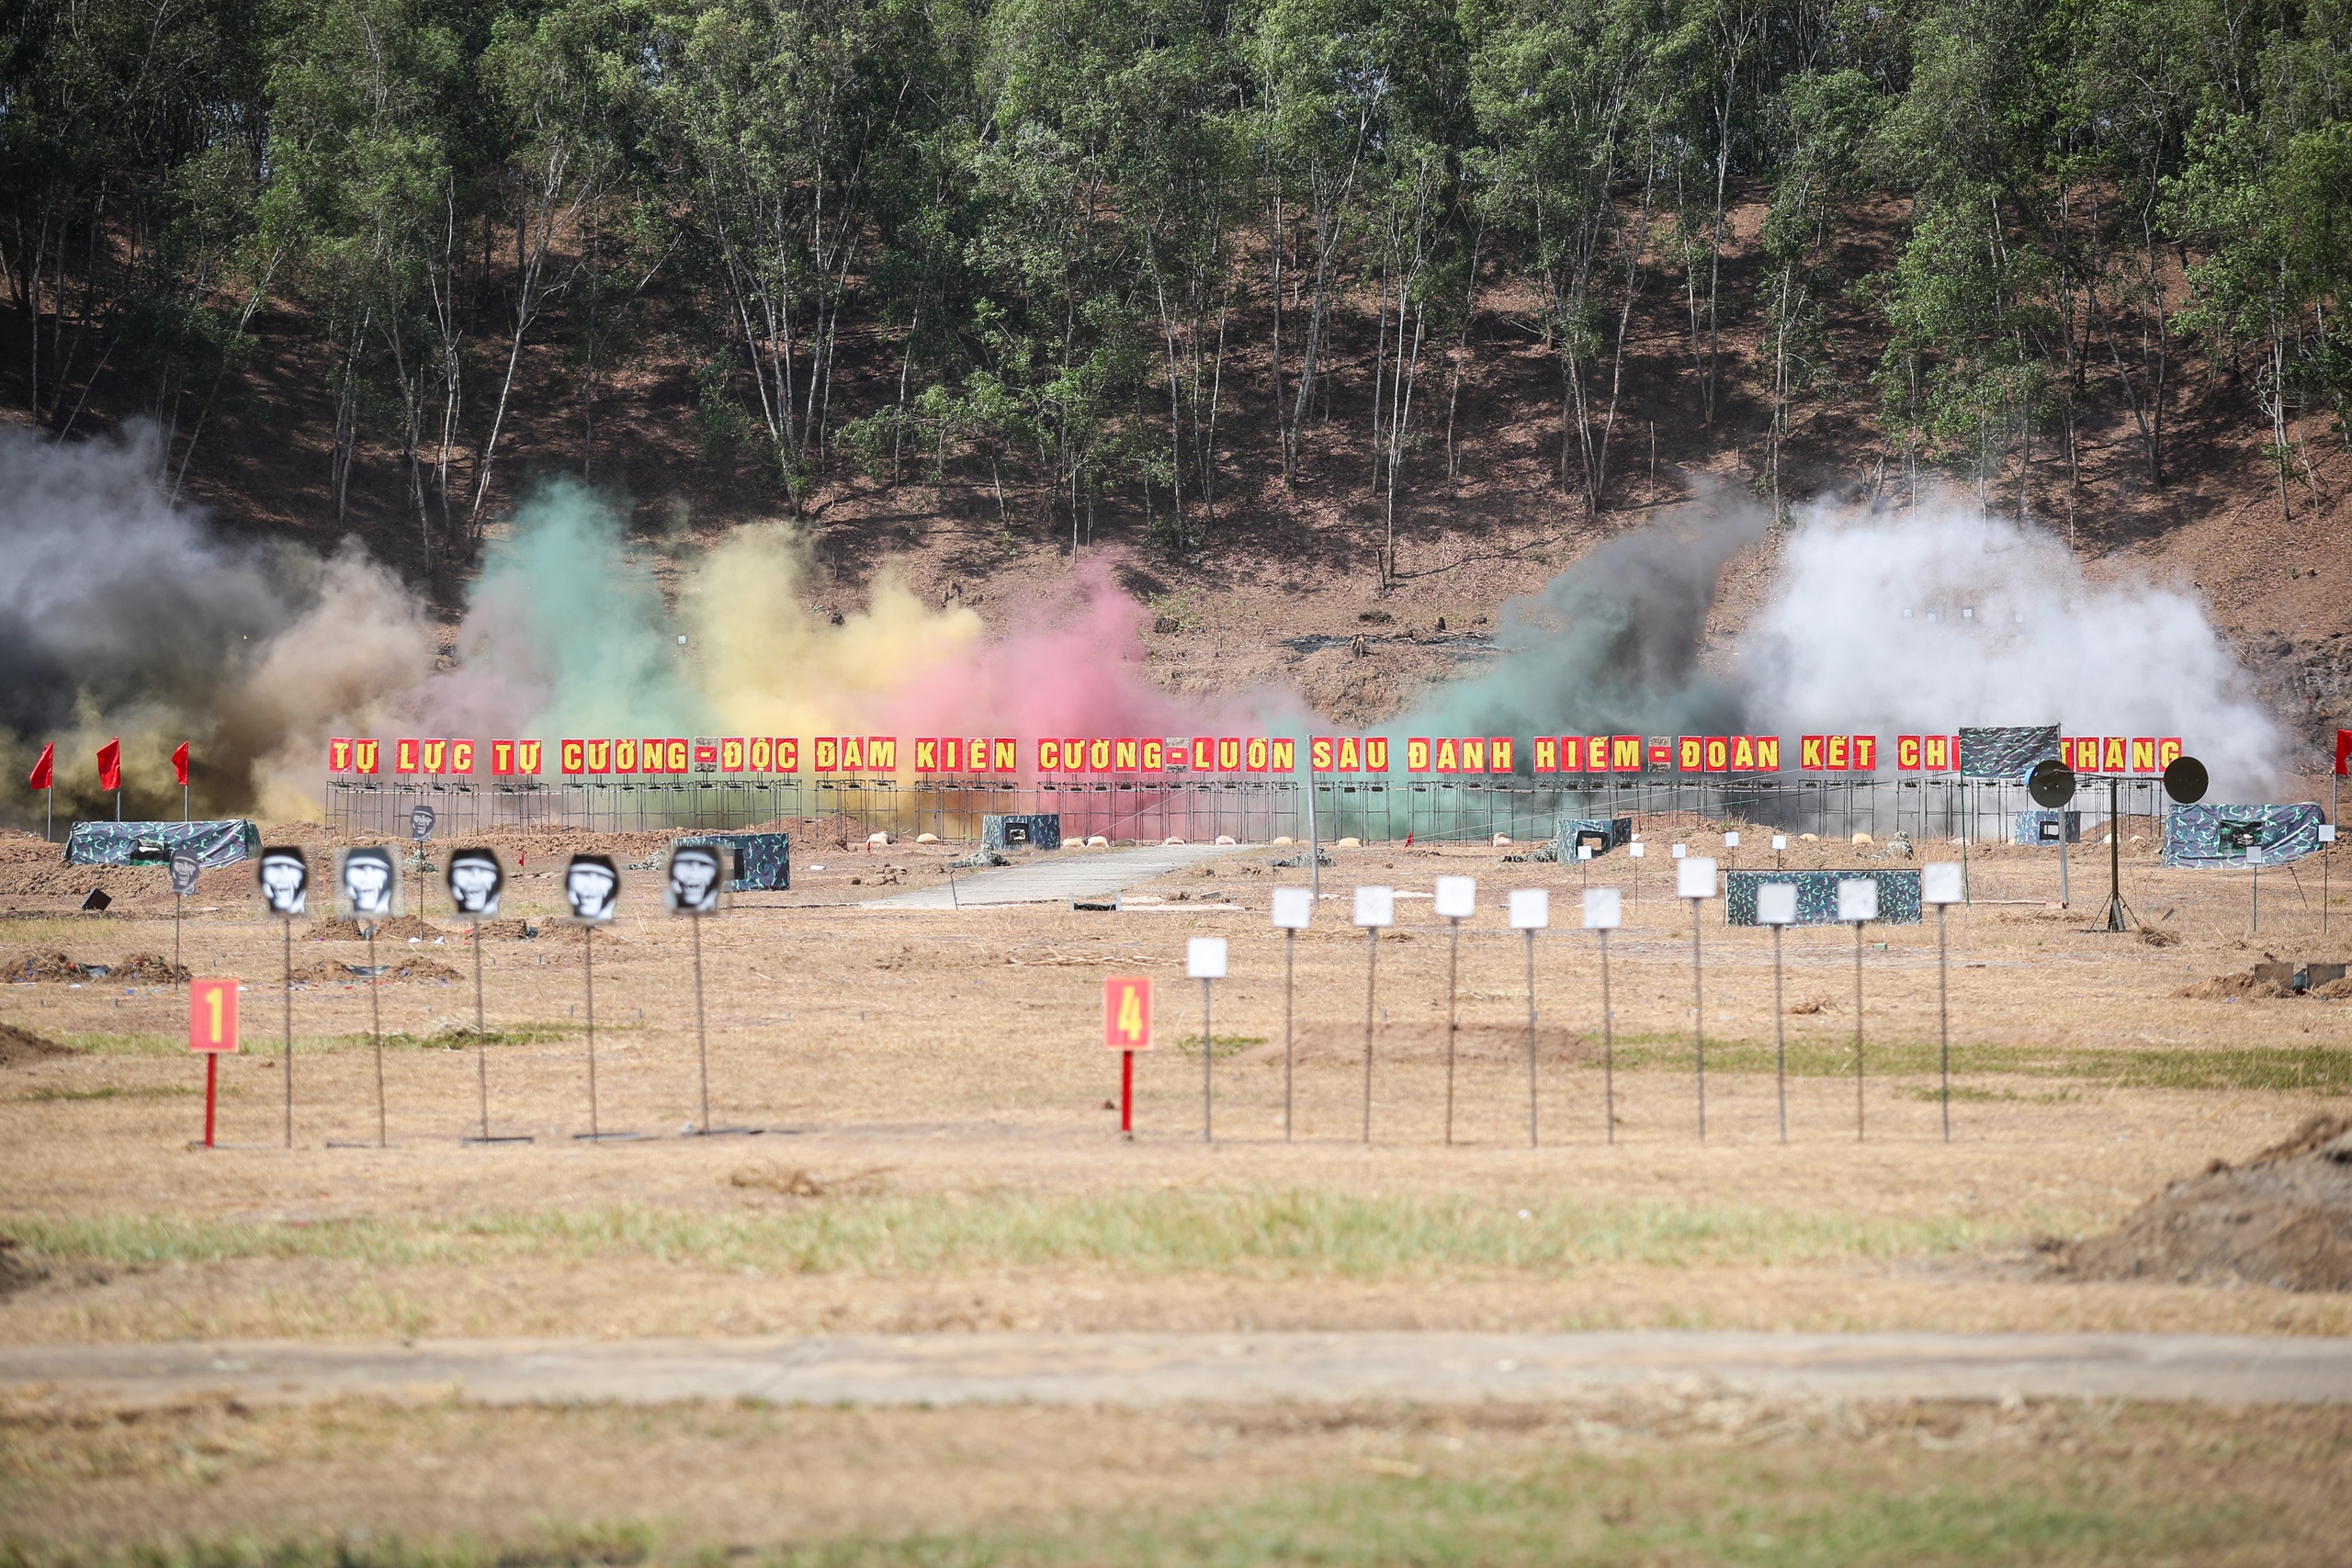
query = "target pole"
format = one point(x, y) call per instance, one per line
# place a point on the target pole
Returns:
point(376, 1028)
point(588, 950)
point(1290, 955)
point(1943, 1016)
point(1608, 1048)
point(1208, 1059)
point(1371, 986)
point(1453, 1015)
point(1531, 1037)
point(1699, 1018)
point(288, 928)
point(1858, 1032)
point(702, 1040)
point(481, 1047)
point(1781, 1032)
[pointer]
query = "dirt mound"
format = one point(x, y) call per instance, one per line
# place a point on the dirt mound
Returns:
point(405, 967)
point(20, 1048)
point(2284, 1218)
point(41, 967)
point(2334, 990)
point(2231, 988)
point(148, 969)
point(399, 929)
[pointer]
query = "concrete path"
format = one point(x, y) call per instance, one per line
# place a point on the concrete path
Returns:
point(1053, 878)
point(1158, 1368)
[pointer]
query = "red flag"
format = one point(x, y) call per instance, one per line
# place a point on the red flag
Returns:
point(111, 764)
point(45, 771)
point(2343, 751)
point(179, 763)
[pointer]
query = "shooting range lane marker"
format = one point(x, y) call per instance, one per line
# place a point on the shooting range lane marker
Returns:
point(212, 1032)
point(1457, 900)
point(1294, 907)
point(1858, 903)
point(1204, 960)
point(1375, 908)
point(1604, 911)
point(1776, 905)
point(1942, 884)
point(1694, 878)
point(1530, 911)
point(1126, 1029)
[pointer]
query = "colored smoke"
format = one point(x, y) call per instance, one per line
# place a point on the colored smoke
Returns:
point(125, 615)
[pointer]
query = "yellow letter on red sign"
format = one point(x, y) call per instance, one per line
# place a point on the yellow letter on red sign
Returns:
point(1126, 1013)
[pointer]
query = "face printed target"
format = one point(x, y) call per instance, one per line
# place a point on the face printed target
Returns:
point(692, 885)
point(285, 882)
point(185, 869)
point(368, 877)
point(476, 879)
point(592, 885)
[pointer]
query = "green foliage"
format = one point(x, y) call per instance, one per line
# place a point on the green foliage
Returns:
point(1056, 217)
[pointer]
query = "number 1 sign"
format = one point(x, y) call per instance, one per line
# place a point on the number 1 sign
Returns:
point(212, 1033)
point(1126, 1029)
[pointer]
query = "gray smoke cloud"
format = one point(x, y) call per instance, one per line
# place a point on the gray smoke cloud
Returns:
point(1612, 643)
point(124, 616)
point(1935, 618)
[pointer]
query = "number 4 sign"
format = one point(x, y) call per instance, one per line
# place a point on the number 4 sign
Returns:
point(212, 1033)
point(1126, 1029)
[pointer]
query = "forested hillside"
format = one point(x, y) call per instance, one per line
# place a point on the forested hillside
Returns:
point(1187, 275)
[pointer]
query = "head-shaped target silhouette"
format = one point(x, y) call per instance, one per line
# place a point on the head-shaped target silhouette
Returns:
point(420, 823)
point(369, 875)
point(476, 879)
point(185, 869)
point(592, 885)
point(2185, 780)
point(285, 881)
point(692, 887)
point(2051, 784)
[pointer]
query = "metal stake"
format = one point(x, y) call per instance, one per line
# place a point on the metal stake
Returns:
point(1608, 1047)
point(1699, 1018)
point(1531, 1037)
point(588, 950)
point(1371, 981)
point(376, 1028)
point(1208, 1057)
point(289, 926)
point(1780, 1035)
point(1943, 1017)
point(1452, 1014)
point(1858, 1032)
point(702, 1044)
point(1290, 950)
point(481, 1047)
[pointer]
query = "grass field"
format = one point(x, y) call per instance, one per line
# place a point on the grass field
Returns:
point(943, 1156)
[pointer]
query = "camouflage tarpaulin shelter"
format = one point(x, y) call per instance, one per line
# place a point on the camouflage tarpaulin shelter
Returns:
point(1036, 830)
point(1898, 895)
point(2043, 826)
point(763, 862)
point(152, 843)
point(2219, 836)
point(1603, 833)
point(2006, 753)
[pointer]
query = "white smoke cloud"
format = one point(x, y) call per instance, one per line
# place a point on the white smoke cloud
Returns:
point(1868, 631)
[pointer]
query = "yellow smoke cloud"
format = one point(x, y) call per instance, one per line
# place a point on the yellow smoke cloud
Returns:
point(774, 666)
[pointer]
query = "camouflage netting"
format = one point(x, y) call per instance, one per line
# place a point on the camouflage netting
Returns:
point(763, 862)
point(2219, 836)
point(1898, 895)
point(1604, 834)
point(152, 843)
point(1041, 830)
point(2007, 753)
point(2043, 826)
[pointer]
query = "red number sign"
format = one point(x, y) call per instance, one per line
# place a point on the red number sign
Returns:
point(1126, 1013)
point(212, 1015)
